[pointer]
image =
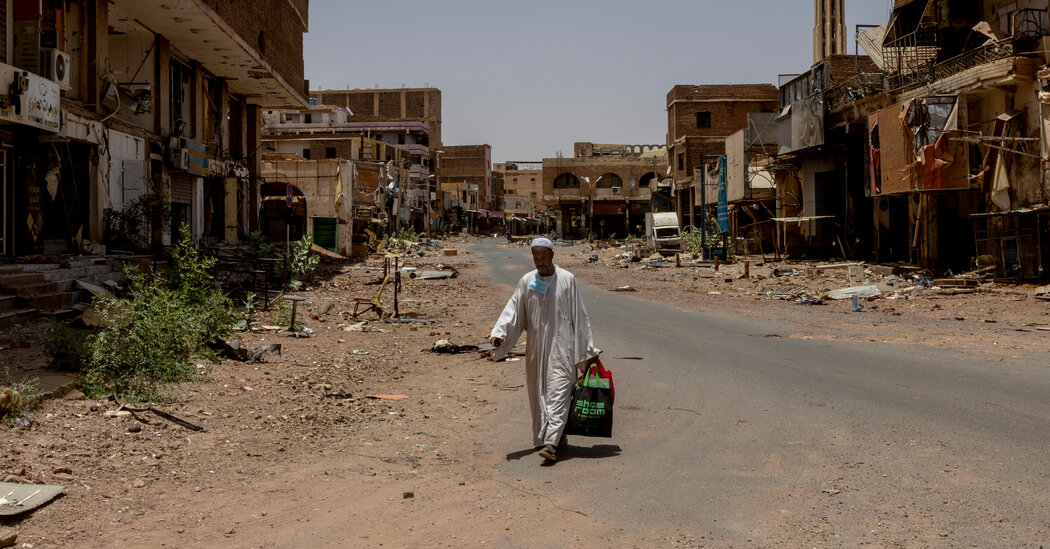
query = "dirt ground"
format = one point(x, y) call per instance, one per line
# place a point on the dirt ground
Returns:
point(291, 441)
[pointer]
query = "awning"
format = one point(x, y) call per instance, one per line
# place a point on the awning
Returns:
point(905, 19)
point(196, 30)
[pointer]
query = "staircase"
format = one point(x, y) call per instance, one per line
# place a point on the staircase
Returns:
point(30, 289)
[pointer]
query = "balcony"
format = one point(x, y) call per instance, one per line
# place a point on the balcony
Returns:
point(264, 69)
point(855, 89)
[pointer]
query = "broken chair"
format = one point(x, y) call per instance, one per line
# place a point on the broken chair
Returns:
point(374, 303)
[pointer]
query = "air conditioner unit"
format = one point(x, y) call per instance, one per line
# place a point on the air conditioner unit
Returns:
point(179, 158)
point(616, 190)
point(54, 65)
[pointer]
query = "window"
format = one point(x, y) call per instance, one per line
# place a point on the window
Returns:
point(400, 139)
point(703, 119)
point(681, 161)
point(532, 180)
point(306, 154)
point(308, 118)
point(329, 152)
point(533, 194)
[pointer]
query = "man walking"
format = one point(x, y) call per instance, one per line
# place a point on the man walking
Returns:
point(546, 303)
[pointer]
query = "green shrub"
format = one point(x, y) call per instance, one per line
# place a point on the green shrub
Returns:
point(283, 317)
point(298, 261)
point(66, 348)
point(402, 240)
point(19, 398)
point(150, 337)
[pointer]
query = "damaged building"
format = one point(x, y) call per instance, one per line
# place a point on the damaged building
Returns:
point(699, 119)
point(121, 107)
point(954, 136)
point(604, 190)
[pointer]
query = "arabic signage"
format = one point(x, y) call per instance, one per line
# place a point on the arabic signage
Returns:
point(37, 100)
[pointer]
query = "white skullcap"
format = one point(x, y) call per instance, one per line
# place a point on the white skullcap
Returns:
point(543, 242)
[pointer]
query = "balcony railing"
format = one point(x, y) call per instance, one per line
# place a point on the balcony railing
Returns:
point(855, 89)
point(929, 71)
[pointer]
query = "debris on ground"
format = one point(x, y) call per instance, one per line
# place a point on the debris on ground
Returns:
point(447, 347)
point(16, 498)
point(855, 291)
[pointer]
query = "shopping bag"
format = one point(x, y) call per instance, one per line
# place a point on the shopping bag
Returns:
point(591, 409)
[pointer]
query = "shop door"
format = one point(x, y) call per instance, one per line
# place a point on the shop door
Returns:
point(5, 204)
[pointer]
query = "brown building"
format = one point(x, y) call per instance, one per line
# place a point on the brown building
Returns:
point(463, 167)
point(699, 119)
point(524, 179)
point(604, 191)
point(390, 105)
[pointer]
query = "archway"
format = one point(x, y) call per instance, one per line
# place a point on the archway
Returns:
point(283, 211)
point(566, 181)
point(608, 181)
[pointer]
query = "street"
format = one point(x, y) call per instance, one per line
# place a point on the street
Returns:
point(730, 430)
point(739, 423)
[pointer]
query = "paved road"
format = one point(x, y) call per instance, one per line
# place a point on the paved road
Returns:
point(726, 432)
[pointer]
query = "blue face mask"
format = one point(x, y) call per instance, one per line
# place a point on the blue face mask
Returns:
point(539, 286)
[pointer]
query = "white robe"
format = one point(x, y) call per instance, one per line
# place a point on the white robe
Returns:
point(558, 343)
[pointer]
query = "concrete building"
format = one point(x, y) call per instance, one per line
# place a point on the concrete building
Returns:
point(466, 172)
point(524, 179)
point(604, 190)
point(421, 105)
point(699, 119)
point(123, 99)
point(309, 197)
point(829, 29)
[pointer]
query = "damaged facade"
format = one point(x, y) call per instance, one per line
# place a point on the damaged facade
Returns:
point(931, 149)
point(475, 191)
point(699, 119)
point(121, 103)
point(604, 190)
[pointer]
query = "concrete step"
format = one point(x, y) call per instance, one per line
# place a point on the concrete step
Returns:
point(16, 268)
point(49, 301)
point(28, 290)
point(21, 279)
point(16, 316)
point(76, 272)
point(7, 303)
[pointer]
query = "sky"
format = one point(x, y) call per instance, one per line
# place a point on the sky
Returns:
point(531, 78)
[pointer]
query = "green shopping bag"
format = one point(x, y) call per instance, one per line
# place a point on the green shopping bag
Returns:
point(591, 410)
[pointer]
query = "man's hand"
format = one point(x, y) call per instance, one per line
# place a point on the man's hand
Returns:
point(496, 341)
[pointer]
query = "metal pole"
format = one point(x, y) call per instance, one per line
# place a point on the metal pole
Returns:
point(703, 212)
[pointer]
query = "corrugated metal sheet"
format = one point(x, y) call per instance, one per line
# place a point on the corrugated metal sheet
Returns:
point(182, 190)
point(871, 41)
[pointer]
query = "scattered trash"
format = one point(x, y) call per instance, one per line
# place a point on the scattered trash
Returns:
point(856, 305)
point(231, 349)
point(593, 258)
point(272, 348)
point(19, 498)
point(447, 347)
point(387, 397)
point(785, 291)
point(21, 423)
point(623, 289)
point(811, 301)
point(855, 291)
point(338, 396)
point(436, 275)
point(831, 491)
point(512, 387)
point(783, 271)
point(246, 388)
